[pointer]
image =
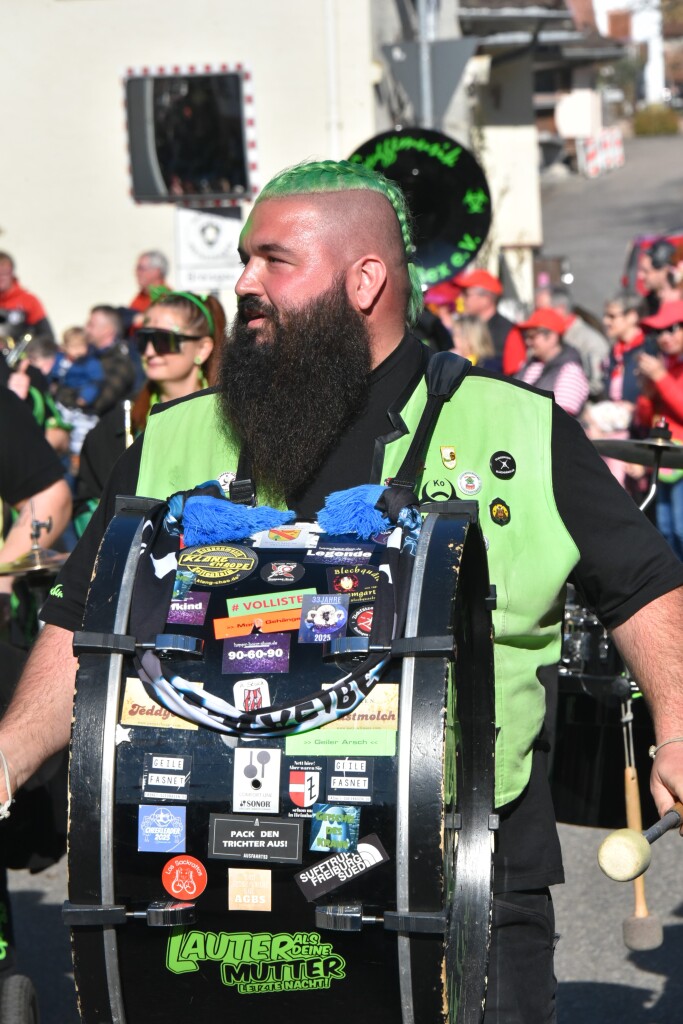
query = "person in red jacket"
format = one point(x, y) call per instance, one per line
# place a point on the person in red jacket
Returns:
point(662, 377)
point(481, 292)
point(18, 307)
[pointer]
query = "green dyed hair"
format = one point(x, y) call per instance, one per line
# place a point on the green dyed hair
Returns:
point(323, 176)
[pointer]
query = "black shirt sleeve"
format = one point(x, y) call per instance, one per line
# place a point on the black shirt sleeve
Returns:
point(28, 465)
point(66, 604)
point(624, 561)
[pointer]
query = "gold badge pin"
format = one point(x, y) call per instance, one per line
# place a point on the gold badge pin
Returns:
point(448, 456)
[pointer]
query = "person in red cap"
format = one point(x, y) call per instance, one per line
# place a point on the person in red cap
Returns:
point(552, 365)
point(481, 292)
point(662, 377)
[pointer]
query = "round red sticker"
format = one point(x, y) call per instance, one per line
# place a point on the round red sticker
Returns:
point(184, 877)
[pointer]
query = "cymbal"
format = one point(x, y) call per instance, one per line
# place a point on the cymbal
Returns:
point(44, 560)
point(643, 453)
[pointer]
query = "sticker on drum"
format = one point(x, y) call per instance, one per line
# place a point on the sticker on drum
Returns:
point(184, 877)
point(249, 889)
point(360, 621)
point(323, 616)
point(161, 829)
point(268, 622)
point(335, 871)
point(328, 553)
point(249, 655)
point(269, 839)
point(166, 777)
point(349, 780)
point(189, 610)
point(299, 535)
point(281, 574)
point(251, 694)
point(358, 581)
point(304, 784)
point(266, 603)
point(334, 829)
point(256, 780)
point(215, 565)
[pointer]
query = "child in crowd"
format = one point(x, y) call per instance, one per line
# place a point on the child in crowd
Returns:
point(79, 378)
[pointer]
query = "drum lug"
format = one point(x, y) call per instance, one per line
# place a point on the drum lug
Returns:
point(75, 914)
point(491, 601)
point(160, 914)
point(340, 917)
point(423, 922)
point(165, 644)
point(168, 914)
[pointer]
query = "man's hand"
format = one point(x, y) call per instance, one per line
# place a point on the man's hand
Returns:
point(667, 768)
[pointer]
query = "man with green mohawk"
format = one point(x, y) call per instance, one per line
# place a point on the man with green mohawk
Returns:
point(321, 389)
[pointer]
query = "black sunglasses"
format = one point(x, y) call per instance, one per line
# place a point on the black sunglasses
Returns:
point(164, 342)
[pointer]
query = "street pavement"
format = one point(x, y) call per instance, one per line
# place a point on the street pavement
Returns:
point(600, 981)
point(593, 222)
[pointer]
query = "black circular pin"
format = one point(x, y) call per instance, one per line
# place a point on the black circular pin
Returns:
point(503, 465)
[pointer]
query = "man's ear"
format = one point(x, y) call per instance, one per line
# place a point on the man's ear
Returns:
point(365, 280)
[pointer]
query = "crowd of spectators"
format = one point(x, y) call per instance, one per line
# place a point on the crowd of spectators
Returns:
point(619, 376)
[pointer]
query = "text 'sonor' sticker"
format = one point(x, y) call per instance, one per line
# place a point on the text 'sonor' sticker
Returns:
point(189, 610)
point(256, 780)
point(166, 777)
point(334, 871)
point(349, 780)
point(249, 889)
point(334, 829)
point(249, 655)
point(270, 839)
point(323, 616)
point(161, 829)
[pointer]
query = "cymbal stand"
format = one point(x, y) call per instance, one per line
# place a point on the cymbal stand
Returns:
point(660, 430)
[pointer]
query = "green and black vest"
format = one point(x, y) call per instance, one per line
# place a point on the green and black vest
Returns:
point(530, 550)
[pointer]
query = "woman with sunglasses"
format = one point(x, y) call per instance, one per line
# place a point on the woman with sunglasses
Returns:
point(662, 383)
point(179, 343)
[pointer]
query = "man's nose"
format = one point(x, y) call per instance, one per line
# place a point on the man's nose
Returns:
point(248, 282)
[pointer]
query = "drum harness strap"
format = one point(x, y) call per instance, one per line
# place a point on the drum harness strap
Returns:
point(392, 508)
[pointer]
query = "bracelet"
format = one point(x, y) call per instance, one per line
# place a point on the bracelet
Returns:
point(4, 808)
point(652, 750)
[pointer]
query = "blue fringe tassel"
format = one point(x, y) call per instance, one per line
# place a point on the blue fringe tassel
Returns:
point(209, 520)
point(353, 511)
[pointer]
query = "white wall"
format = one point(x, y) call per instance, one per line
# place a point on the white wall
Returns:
point(65, 209)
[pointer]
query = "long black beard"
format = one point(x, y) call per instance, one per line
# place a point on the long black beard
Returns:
point(288, 398)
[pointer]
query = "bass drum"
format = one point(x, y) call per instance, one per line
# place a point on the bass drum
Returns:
point(332, 875)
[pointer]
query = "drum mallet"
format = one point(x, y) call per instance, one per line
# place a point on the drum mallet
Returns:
point(626, 854)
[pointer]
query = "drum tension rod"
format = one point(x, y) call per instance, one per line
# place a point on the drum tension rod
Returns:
point(159, 914)
point(120, 643)
point(349, 917)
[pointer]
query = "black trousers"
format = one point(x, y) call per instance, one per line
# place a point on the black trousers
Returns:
point(521, 977)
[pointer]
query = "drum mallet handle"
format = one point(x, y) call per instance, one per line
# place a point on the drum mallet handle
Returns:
point(626, 854)
point(642, 930)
